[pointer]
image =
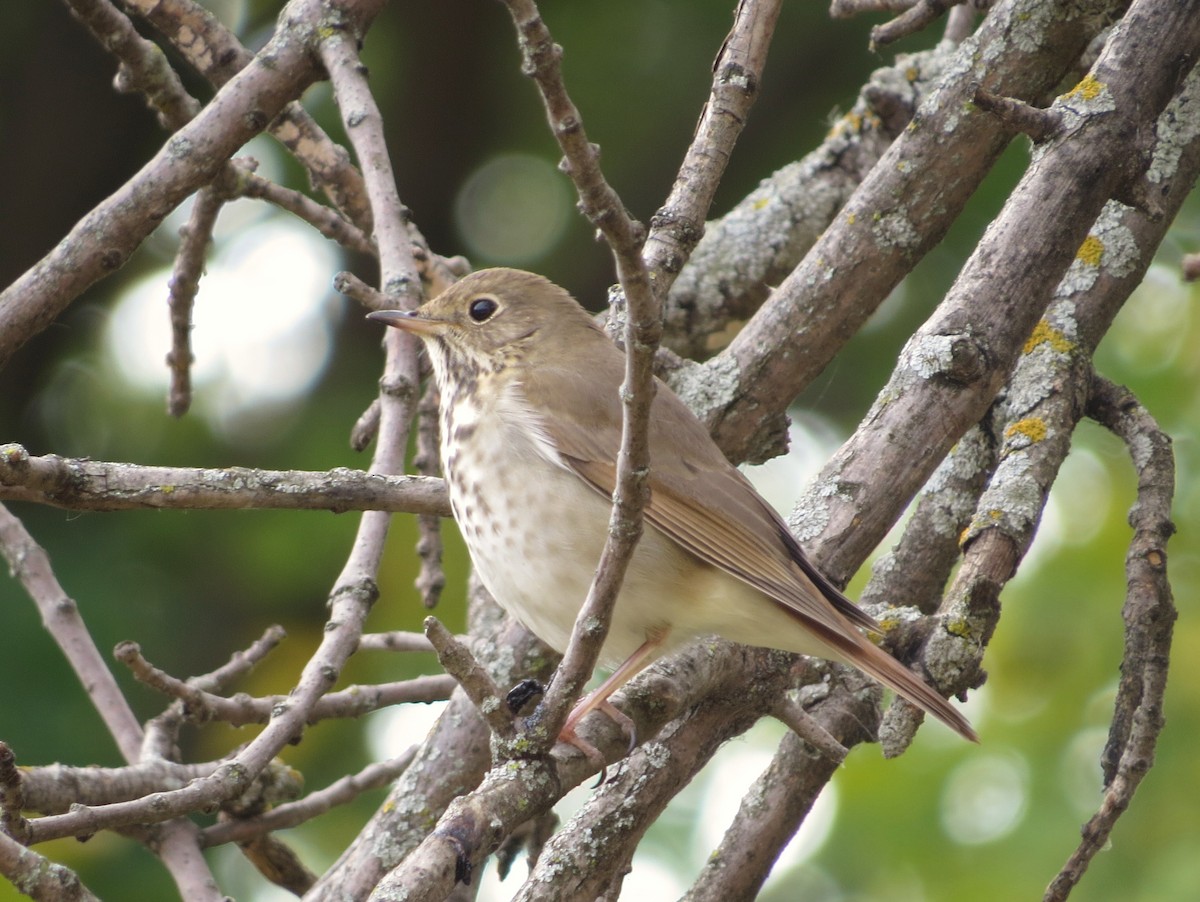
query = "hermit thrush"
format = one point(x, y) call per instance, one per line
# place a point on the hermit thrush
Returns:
point(530, 428)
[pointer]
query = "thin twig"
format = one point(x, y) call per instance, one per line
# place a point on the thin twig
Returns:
point(922, 14)
point(161, 740)
point(241, 709)
point(643, 331)
point(1039, 124)
point(398, 640)
point(56, 788)
point(846, 9)
point(737, 72)
point(155, 803)
point(144, 68)
point(30, 564)
point(183, 286)
point(240, 663)
point(431, 579)
point(1149, 615)
point(312, 805)
point(960, 22)
point(366, 427)
point(326, 220)
point(364, 125)
point(792, 714)
point(458, 661)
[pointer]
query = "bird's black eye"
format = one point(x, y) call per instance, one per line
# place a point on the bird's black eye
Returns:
point(481, 309)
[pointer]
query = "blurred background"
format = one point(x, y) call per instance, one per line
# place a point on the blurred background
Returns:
point(284, 367)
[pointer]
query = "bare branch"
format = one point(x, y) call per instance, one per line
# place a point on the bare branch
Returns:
point(329, 222)
point(292, 814)
point(1039, 124)
point(848, 9)
point(200, 706)
point(952, 367)
point(780, 798)
point(756, 244)
point(394, 641)
point(12, 797)
point(276, 781)
point(55, 788)
point(643, 331)
point(916, 570)
point(462, 666)
point(737, 71)
point(144, 68)
point(919, 16)
point(364, 125)
point(103, 240)
point(83, 484)
point(184, 284)
point(1149, 618)
point(900, 211)
point(38, 877)
point(30, 564)
point(215, 53)
point(792, 714)
point(431, 579)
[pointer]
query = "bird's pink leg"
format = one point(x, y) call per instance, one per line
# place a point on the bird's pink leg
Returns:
point(597, 699)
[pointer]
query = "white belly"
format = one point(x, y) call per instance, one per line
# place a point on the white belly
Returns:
point(536, 531)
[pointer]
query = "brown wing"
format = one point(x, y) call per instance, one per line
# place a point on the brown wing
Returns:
point(697, 497)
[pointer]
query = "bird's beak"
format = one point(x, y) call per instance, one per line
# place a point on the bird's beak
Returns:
point(408, 320)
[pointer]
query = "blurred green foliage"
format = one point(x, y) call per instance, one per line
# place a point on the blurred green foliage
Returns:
point(447, 77)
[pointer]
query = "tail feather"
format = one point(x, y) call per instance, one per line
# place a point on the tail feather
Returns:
point(879, 664)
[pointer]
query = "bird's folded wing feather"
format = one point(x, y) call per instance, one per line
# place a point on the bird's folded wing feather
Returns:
point(700, 500)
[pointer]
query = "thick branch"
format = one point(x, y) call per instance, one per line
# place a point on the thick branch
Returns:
point(900, 211)
point(40, 878)
point(950, 370)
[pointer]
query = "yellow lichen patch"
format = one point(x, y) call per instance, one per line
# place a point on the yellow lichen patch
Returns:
point(761, 203)
point(959, 628)
point(1088, 89)
point(1044, 333)
point(1091, 251)
point(1033, 428)
point(850, 123)
point(851, 218)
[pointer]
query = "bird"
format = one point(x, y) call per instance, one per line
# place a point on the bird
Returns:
point(530, 427)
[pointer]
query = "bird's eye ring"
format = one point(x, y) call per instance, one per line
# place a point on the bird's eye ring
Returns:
point(482, 309)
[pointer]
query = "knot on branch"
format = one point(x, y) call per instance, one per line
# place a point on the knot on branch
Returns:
point(956, 358)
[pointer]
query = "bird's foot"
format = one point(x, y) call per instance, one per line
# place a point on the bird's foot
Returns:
point(589, 751)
